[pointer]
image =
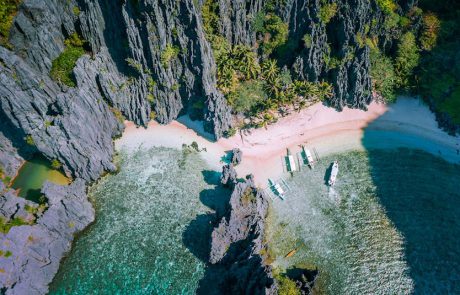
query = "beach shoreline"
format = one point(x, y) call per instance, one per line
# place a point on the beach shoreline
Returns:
point(407, 123)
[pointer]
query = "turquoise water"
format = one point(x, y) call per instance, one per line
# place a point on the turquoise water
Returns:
point(390, 225)
point(137, 244)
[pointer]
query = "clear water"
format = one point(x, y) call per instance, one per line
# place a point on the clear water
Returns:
point(143, 240)
point(390, 225)
point(33, 174)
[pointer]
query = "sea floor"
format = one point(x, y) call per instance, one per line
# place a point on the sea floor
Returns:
point(143, 237)
point(389, 226)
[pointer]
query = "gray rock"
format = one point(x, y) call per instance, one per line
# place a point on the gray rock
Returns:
point(229, 176)
point(74, 126)
point(10, 161)
point(237, 243)
point(36, 250)
point(237, 156)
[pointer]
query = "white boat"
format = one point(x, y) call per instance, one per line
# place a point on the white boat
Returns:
point(276, 188)
point(290, 162)
point(308, 157)
point(334, 172)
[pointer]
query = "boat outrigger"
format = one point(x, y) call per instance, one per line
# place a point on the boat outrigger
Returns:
point(308, 157)
point(334, 172)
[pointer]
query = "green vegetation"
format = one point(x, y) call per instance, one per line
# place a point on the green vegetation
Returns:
point(3, 177)
point(62, 67)
point(327, 11)
point(307, 40)
point(431, 26)
point(135, 65)
point(55, 164)
point(29, 140)
point(117, 113)
point(407, 58)
point(383, 75)
point(285, 284)
point(387, 6)
point(248, 197)
point(170, 52)
point(8, 10)
point(273, 31)
point(247, 96)
point(439, 70)
point(5, 226)
point(76, 11)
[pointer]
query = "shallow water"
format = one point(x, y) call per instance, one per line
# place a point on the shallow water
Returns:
point(137, 244)
point(33, 174)
point(388, 227)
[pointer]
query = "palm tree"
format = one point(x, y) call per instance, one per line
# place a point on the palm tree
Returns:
point(270, 70)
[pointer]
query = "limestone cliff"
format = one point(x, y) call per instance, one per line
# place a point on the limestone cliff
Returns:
point(237, 264)
point(36, 250)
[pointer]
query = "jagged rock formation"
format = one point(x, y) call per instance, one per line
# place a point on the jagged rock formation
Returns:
point(318, 51)
point(236, 18)
point(36, 250)
point(148, 59)
point(237, 156)
point(237, 242)
point(229, 176)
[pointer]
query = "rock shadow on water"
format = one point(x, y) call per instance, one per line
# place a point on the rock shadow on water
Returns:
point(246, 276)
point(197, 235)
point(420, 194)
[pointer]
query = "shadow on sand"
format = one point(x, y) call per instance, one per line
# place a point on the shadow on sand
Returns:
point(421, 196)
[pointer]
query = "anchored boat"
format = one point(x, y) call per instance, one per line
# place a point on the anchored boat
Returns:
point(276, 188)
point(308, 157)
point(290, 162)
point(334, 172)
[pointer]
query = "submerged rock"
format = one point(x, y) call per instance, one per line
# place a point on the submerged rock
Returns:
point(36, 250)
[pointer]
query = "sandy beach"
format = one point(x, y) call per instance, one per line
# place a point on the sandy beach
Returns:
point(407, 123)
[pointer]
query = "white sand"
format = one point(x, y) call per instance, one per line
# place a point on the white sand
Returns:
point(407, 123)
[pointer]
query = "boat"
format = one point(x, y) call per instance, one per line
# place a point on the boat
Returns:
point(334, 172)
point(276, 188)
point(308, 157)
point(290, 162)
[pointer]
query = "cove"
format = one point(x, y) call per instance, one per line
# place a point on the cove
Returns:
point(146, 235)
point(389, 226)
point(33, 174)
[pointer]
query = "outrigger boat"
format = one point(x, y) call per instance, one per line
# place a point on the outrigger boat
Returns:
point(308, 157)
point(290, 162)
point(334, 172)
point(276, 188)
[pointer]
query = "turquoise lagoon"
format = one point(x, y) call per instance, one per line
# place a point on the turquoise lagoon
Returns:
point(390, 226)
point(143, 237)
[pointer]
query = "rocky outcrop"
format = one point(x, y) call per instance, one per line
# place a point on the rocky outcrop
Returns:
point(237, 156)
point(36, 250)
point(236, 19)
point(10, 161)
point(237, 243)
point(74, 126)
point(229, 177)
point(331, 51)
